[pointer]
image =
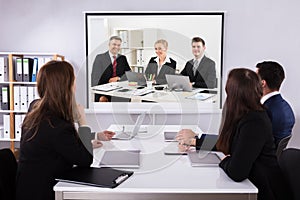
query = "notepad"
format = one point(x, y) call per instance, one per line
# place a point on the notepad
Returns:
point(100, 177)
point(121, 159)
point(201, 96)
point(106, 87)
point(203, 158)
point(172, 149)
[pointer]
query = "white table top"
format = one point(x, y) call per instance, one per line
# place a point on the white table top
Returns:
point(156, 95)
point(163, 173)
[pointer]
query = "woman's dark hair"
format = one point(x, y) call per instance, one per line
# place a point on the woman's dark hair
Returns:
point(55, 82)
point(244, 92)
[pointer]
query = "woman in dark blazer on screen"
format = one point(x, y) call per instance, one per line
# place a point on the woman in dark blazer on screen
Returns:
point(246, 137)
point(50, 144)
point(161, 65)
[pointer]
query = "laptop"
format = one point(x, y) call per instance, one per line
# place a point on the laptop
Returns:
point(170, 136)
point(179, 83)
point(121, 159)
point(204, 158)
point(136, 77)
point(122, 135)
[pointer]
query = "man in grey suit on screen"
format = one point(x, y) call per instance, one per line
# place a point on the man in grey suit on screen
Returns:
point(109, 66)
point(201, 69)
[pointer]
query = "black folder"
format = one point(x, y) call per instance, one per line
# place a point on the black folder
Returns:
point(101, 177)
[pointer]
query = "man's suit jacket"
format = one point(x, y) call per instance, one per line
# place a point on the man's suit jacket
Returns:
point(205, 75)
point(167, 68)
point(281, 115)
point(103, 70)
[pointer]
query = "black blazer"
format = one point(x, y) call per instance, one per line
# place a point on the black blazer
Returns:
point(252, 155)
point(54, 150)
point(167, 68)
point(103, 70)
point(205, 75)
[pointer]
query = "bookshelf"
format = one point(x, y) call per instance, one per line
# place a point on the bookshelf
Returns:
point(8, 68)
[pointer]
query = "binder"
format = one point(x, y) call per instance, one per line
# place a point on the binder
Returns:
point(19, 69)
point(23, 98)
point(30, 92)
point(18, 124)
point(101, 177)
point(27, 69)
point(41, 62)
point(6, 126)
point(5, 98)
point(3, 64)
point(34, 70)
point(6, 76)
point(36, 93)
point(17, 100)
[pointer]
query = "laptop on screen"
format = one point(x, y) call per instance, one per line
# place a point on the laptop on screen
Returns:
point(179, 83)
point(122, 135)
point(136, 77)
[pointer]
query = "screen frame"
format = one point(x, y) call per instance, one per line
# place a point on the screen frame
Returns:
point(88, 14)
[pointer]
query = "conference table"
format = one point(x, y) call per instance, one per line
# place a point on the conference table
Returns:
point(135, 93)
point(159, 176)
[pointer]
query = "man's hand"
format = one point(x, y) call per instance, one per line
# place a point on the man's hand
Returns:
point(114, 79)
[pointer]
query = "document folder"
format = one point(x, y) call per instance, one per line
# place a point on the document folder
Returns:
point(100, 177)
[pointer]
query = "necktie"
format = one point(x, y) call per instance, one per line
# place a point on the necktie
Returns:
point(114, 66)
point(196, 63)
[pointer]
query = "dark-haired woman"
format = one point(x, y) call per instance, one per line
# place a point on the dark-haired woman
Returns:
point(246, 137)
point(50, 144)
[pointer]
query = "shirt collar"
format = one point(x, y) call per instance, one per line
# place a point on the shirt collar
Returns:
point(167, 60)
point(199, 59)
point(268, 96)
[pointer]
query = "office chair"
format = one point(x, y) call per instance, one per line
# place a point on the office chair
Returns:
point(8, 170)
point(282, 144)
point(289, 162)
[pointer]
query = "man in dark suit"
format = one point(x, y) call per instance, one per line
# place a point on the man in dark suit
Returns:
point(201, 70)
point(109, 66)
point(279, 111)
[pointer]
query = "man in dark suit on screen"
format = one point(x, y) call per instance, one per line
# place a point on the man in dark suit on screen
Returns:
point(109, 66)
point(201, 69)
point(279, 111)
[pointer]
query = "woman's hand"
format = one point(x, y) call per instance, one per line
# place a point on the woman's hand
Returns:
point(105, 135)
point(96, 144)
point(185, 134)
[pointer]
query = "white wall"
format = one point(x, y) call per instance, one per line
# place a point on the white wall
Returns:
point(254, 31)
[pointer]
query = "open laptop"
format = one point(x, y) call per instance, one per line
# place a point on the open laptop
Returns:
point(179, 83)
point(122, 135)
point(136, 77)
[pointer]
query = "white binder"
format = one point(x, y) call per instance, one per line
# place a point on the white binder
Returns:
point(23, 97)
point(19, 69)
point(18, 124)
point(1, 69)
point(30, 91)
point(17, 101)
point(6, 126)
point(36, 93)
point(5, 98)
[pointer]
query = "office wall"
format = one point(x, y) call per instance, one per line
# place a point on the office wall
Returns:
point(254, 31)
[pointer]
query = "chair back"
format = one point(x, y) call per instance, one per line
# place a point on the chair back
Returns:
point(289, 162)
point(8, 170)
point(282, 145)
